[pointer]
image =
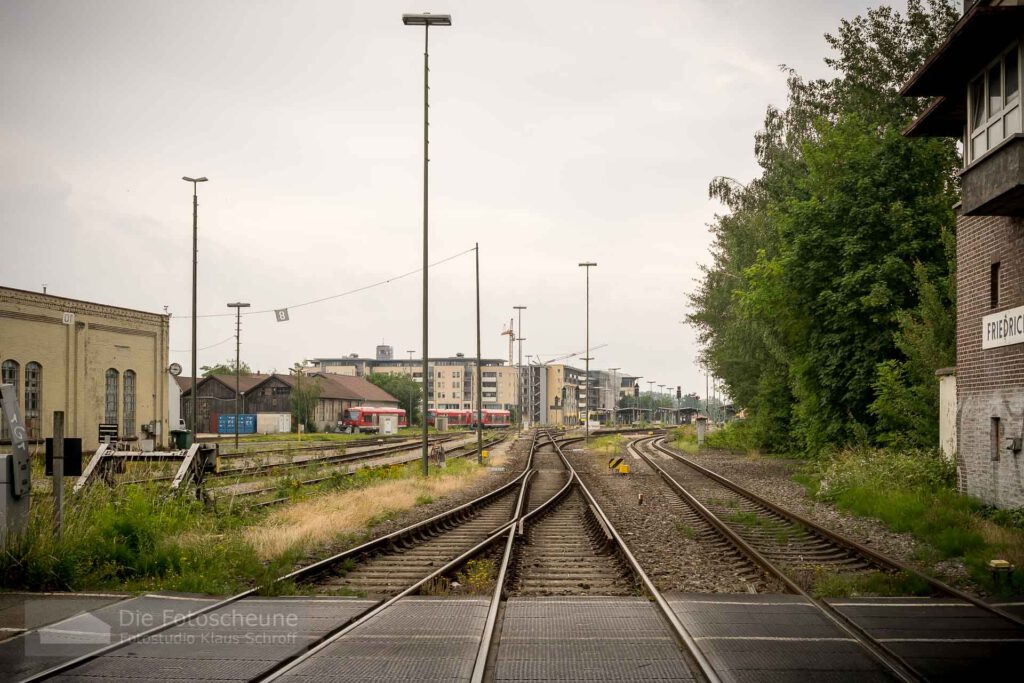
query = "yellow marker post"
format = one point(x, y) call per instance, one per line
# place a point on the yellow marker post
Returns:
point(623, 468)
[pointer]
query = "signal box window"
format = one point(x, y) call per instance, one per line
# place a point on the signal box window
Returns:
point(993, 285)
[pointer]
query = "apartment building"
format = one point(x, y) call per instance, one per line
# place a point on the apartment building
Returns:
point(452, 379)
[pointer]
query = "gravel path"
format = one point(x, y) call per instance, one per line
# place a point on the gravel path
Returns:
point(679, 556)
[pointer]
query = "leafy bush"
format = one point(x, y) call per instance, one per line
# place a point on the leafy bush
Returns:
point(914, 469)
point(914, 491)
point(1013, 518)
point(737, 435)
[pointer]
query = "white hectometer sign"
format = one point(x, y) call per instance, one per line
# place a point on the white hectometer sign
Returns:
point(1003, 329)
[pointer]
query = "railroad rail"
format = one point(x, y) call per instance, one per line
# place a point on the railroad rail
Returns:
point(778, 539)
point(572, 520)
point(463, 451)
point(405, 538)
point(552, 509)
point(105, 459)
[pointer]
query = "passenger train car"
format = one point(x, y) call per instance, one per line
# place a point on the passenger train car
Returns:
point(367, 418)
point(456, 418)
point(467, 418)
point(495, 418)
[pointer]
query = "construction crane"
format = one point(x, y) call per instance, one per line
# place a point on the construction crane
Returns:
point(511, 338)
point(567, 356)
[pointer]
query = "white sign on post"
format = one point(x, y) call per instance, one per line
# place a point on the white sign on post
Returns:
point(69, 318)
point(1003, 329)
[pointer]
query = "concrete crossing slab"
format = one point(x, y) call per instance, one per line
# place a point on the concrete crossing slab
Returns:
point(767, 637)
point(417, 639)
point(944, 639)
point(587, 639)
point(94, 623)
point(236, 642)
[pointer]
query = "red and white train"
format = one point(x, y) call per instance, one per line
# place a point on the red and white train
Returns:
point(467, 418)
point(367, 418)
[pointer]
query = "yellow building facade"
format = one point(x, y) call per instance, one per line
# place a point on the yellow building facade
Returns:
point(99, 364)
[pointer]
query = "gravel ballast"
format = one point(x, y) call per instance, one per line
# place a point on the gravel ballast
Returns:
point(678, 556)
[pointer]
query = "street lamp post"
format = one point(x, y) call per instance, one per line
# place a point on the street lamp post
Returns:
point(479, 372)
point(529, 385)
point(426, 20)
point(238, 306)
point(587, 265)
point(615, 396)
point(411, 352)
point(650, 391)
point(195, 253)
point(519, 368)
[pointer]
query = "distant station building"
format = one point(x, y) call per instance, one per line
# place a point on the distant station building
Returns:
point(102, 365)
point(975, 79)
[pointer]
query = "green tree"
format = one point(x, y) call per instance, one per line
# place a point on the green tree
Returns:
point(874, 206)
point(225, 368)
point(828, 265)
point(304, 398)
point(403, 387)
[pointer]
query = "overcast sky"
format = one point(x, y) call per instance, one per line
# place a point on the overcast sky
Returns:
point(561, 132)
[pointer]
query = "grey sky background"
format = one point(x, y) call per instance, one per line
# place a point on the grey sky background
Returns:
point(561, 132)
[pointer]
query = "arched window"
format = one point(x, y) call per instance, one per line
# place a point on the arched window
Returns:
point(8, 375)
point(110, 411)
point(129, 403)
point(33, 399)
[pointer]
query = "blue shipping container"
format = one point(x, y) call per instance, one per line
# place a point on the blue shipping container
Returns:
point(226, 424)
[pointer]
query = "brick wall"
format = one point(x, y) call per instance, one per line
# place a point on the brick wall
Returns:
point(990, 383)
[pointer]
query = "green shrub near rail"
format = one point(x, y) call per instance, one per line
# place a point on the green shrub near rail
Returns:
point(131, 538)
point(913, 490)
point(142, 538)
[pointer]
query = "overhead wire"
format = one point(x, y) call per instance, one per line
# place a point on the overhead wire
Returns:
point(203, 348)
point(347, 293)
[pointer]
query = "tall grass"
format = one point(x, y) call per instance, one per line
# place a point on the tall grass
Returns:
point(684, 438)
point(914, 491)
point(141, 537)
point(608, 446)
point(134, 538)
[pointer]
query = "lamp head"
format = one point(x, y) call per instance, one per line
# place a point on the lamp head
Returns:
point(427, 19)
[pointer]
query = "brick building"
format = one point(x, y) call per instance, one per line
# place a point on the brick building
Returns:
point(975, 79)
point(273, 394)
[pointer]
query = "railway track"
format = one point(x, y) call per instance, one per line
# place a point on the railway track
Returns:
point(256, 462)
point(561, 544)
point(363, 569)
point(459, 452)
point(786, 545)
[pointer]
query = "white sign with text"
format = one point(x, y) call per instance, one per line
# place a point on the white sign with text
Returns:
point(1003, 329)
